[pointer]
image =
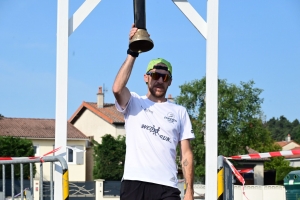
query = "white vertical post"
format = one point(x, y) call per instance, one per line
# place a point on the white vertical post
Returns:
point(209, 31)
point(65, 27)
point(211, 147)
point(61, 89)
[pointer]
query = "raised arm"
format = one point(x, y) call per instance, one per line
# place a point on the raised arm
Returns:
point(187, 164)
point(119, 88)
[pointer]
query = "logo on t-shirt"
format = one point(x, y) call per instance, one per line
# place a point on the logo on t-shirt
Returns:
point(147, 110)
point(155, 132)
point(170, 118)
point(173, 179)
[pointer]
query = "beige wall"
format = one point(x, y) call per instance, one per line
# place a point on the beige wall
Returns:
point(92, 125)
point(290, 146)
point(76, 172)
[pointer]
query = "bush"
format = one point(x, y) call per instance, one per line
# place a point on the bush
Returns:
point(16, 147)
point(109, 158)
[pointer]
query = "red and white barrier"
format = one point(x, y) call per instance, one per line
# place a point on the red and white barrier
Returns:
point(265, 155)
point(256, 156)
point(30, 158)
point(40, 157)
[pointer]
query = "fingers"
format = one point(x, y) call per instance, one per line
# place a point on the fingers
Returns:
point(132, 31)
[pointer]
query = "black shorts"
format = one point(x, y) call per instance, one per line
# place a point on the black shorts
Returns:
point(139, 190)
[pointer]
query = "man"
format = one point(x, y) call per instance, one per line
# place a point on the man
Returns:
point(154, 126)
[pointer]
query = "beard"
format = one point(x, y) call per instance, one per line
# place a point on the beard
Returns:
point(158, 94)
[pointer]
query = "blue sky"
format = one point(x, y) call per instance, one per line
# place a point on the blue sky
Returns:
point(258, 40)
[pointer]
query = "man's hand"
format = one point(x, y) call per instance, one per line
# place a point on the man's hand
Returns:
point(132, 31)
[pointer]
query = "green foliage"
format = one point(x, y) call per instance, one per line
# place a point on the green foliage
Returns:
point(281, 127)
point(276, 163)
point(16, 147)
point(239, 123)
point(109, 158)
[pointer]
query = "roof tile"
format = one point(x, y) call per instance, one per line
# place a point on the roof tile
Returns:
point(35, 128)
point(109, 112)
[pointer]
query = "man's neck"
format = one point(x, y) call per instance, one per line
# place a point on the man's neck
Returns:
point(156, 99)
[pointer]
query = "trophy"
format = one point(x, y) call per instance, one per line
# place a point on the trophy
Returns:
point(141, 41)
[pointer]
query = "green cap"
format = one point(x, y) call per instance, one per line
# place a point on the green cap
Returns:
point(154, 62)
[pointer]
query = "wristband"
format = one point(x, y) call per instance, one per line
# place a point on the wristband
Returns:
point(132, 53)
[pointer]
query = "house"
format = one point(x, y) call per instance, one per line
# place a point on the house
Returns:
point(96, 119)
point(287, 145)
point(42, 134)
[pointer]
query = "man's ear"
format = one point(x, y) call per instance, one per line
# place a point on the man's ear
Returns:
point(170, 82)
point(146, 78)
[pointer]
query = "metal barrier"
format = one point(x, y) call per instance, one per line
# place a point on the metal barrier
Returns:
point(225, 189)
point(30, 192)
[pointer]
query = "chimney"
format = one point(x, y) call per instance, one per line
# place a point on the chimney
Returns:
point(288, 138)
point(100, 98)
point(170, 98)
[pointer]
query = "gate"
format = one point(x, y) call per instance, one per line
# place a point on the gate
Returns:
point(111, 188)
point(78, 190)
point(20, 190)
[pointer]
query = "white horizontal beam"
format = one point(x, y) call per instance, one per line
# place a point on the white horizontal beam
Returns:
point(188, 10)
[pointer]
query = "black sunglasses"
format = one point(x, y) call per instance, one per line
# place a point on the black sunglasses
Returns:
point(156, 76)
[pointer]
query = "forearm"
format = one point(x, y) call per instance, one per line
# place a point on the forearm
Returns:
point(121, 80)
point(188, 171)
point(123, 74)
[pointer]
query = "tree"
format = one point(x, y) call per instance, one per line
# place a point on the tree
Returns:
point(109, 157)
point(16, 147)
point(281, 127)
point(239, 123)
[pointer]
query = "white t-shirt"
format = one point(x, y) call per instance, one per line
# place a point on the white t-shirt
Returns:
point(153, 131)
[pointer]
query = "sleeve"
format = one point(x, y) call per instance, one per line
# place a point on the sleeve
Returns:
point(186, 130)
point(120, 109)
point(127, 108)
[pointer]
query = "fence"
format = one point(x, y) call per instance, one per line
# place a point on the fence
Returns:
point(29, 191)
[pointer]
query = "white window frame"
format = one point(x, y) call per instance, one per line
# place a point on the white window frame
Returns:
point(77, 156)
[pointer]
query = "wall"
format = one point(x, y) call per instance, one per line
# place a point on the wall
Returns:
point(289, 146)
point(252, 192)
point(294, 162)
point(92, 125)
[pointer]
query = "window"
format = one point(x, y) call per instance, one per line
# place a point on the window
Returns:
point(70, 155)
point(74, 154)
point(36, 150)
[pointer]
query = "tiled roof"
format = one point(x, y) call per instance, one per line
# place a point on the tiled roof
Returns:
point(35, 128)
point(284, 143)
point(109, 113)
